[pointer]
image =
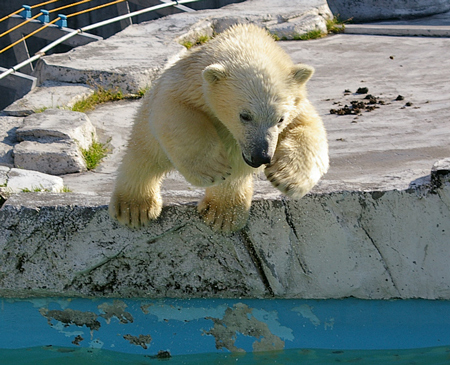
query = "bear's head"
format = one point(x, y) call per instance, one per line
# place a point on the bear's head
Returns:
point(255, 103)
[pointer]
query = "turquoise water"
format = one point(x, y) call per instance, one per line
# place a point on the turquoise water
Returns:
point(60, 355)
point(223, 331)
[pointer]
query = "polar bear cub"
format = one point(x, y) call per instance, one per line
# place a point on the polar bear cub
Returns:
point(221, 113)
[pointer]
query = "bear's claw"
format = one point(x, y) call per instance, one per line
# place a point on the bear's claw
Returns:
point(292, 185)
point(135, 213)
point(223, 219)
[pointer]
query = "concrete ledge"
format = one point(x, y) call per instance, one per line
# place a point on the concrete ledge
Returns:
point(398, 30)
point(370, 10)
point(371, 245)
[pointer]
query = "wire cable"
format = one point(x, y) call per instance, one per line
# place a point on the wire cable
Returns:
point(32, 7)
point(10, 15)
point(94, 8)
point(30, 35)
point(21, 24)
point(68, 6)
point(44, 3)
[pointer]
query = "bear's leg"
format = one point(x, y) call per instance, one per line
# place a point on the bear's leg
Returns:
point(226, 207)
point(301, 156)
point(191, 142)
point(136, 198)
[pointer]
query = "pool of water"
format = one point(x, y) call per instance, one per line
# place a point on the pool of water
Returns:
point(223, 331)
point(75, 356)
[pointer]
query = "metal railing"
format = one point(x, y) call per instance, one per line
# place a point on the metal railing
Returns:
point(73, 33)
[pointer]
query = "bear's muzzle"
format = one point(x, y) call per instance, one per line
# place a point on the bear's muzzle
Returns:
point(257, 160)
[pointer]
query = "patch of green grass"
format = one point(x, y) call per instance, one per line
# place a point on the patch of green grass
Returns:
point(94, 154)
point(100, 95)
point(65, 189)
point(312, 34)
point(202, 39)
point(141, 92)
point(42, 109)
point(336, 25)
point(41, 189)
point(275, 37)
point(35, 189)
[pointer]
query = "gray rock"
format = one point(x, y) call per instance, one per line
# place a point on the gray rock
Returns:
point(55, 125)
point(52, 142)
point(49, 95)
point(8, 128)
point(4, 175)
point(19, 180)
point(57, 158)
point(292, 29)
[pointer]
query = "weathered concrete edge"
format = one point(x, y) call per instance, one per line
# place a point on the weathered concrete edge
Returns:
point(364, 244)
point(398, 30)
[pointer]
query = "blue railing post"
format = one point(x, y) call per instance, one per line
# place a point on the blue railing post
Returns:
point(62, 22)
point(26, 12)
point(45, 17)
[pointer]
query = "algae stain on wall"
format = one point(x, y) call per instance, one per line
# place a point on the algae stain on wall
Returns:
point(240, 319)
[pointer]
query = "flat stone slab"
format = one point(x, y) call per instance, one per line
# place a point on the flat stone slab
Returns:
point(372, 10)
point(56, 125)
point(8, 128)
point(51, 142)
point(56, 158)
point(399, 30)
point(131, 59)
point(50, 95)
point(18, 180)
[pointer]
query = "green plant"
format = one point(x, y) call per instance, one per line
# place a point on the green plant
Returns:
point(65, 189)
point(312, 34)
point(275, 37)
point(42, 109)
point(336, 25)
point(94, 154)
point(141, 92)
point(201, 39)
point(100, 95)
point(35, 189)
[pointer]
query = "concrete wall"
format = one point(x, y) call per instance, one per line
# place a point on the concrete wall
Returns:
point(372, 245)
point(371, 10)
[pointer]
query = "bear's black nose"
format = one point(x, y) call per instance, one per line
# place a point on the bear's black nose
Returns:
point(257, 160)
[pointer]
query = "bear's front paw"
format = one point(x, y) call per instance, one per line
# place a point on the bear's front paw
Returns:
point(136, 212)
point(224, 218)
point(286, 180)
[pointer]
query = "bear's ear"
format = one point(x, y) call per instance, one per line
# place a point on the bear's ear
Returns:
point(214, 73)
point(302, 73)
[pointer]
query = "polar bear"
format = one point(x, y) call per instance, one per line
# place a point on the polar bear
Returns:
point(225, 111)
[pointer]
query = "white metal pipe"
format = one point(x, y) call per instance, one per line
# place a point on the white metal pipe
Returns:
point(42, 52)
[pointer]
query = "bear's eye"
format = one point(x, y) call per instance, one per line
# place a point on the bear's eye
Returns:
point(246, 117)
point(281, 120)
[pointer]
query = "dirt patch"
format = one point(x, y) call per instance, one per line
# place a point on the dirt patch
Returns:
point(359, 105)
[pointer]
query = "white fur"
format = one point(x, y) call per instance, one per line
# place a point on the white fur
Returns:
point(238, 97)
